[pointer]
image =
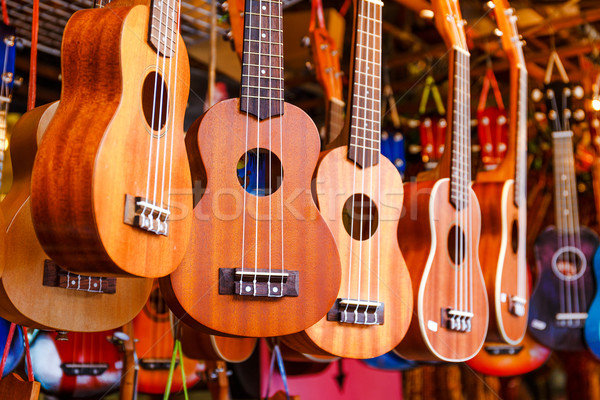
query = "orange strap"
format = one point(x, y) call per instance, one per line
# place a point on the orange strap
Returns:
point(5, 13)
point(316, 15)
point(490, 80)
point(345, 7)
point(33, 62)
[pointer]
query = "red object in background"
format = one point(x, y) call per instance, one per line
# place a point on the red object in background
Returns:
point(358, 381)
point(433, 138)
point(492, 123)
point(152, 329)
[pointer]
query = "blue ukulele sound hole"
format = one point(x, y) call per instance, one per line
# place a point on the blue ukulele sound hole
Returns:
point(155, 101)
point(360, 217)
point(260, 172)
point(456, 245)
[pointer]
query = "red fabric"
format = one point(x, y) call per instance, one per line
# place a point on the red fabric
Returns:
point(5, 13)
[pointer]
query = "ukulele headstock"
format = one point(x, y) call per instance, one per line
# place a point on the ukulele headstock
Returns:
point(506, 19)
point(327, 63)
point(559, 96)
point(450, 24)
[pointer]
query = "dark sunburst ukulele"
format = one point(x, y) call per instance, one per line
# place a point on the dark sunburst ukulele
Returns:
point(360, 196)
point(565, 285)
point(439, 231)
point(111, 187)
point(261, 260)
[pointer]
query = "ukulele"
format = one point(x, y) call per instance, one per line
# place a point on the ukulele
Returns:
point(432, 125)
point(280, 270)
point(327, 67)
point(126, 213)
point(561, 298)
point(502, 195)
point(439, 231)
point(34, 290)
point(355, 189)
point(201, 346)
point(155, 340)
point(492, 126)
point(80, 365)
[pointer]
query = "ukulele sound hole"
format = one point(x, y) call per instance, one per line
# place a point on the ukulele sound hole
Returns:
point(155, 101)
point(260, 172)
point(456, 245)
point(360, 217)
point(568, 263)
point(515, 236)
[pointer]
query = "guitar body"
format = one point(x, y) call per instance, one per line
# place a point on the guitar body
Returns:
point(545, 299)
point(592, 324)
point(22, 283)
point(99, 140)
point(216, 142)
point(86, 365)
point(498, 254)
point(428, 219)
point(499, 359)
point(202, 346)
point(337, 180)
point(154, 346)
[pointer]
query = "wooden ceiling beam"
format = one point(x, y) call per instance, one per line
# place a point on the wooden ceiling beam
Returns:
point(560, 23)
point(416, 5)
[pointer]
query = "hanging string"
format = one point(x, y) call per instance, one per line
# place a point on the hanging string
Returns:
point(33, 59)
point(5, 13)
point(176, 351)
point(7, 346)
point(28, 355)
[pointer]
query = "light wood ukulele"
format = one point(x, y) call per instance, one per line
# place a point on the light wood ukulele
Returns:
point(439, 231)
point(360, 196)
point(111, 187)
point(502, 195)
point(35, 291)
point(262, 261)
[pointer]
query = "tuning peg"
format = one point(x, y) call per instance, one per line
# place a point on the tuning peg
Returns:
point(305, 41)
point(384, 135)
point(9, 40)
point(309, 66)
point(579, 114)
point(228, 35)
point(18, 81)
point(223, 7)
point(539, 116)
point(536, 95)
point(62, 336)
point(489, 6)
point(426, 14)
point(414, 149)
point(578, 92)
point(498, 32)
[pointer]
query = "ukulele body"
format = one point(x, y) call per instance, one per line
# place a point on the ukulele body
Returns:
point(23, 277)
point(220, 239)
point(545, 299)
point(86, 365)
point(592, 324)
point(367, 265)
point(152, 329)
point(423, 234)
point(202, 346)
point(500, 359)
point(499, 257)
point(96, 149)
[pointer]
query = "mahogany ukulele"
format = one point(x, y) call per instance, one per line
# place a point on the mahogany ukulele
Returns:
point(360, 196)
point(261, 260)
point(565, 286)
point(502, 194)
point(202, 346)
point(439, 231)
point(34, 290)
point(111, 177)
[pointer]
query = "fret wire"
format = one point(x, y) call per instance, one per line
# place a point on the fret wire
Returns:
point(263, 66)
point(259, 97)
point(276, 56)
point(264, 15)
point(261, 41)
point(262, 87)
point(376, 35)
point(372, 139)
point(365, 147)
point(263, 29)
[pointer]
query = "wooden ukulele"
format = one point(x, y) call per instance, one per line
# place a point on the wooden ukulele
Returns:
point(502, 195)
point(432, 126)
point(565, 286)
point(261, 261)
point(360, 196)
point(34, 290)
point(155, 340)
point(125, 84)
point(439, 231)
point(202, 346)
point(327, 67)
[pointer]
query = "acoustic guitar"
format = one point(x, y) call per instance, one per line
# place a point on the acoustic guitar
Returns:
point(439, 231)
point(502, 194)
point(34, 290)
point(565, 286)
point(111, 177)
point(261, 261)
point(359, 193)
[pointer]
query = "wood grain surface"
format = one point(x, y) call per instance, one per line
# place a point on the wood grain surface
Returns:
point(96, 150)
point(372, 269)
point(220, 239)
point(23, 298)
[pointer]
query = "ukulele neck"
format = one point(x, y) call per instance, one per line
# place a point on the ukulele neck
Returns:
point(460, 168)
point(335, 118)
point(262, 59)
point(164, 26)
point(363, 147)
point(565, 196)
point(521, 134)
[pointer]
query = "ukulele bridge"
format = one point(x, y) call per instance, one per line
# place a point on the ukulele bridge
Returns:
point(360, 312)
point(79, 369)
point(55, 276)
point(516, 306)
point(454, 320)
point(142, 214)
point(258, 282)
point(571, 320)
point(157, 364)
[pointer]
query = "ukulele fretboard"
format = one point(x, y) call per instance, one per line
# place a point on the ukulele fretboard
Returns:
point(164, 23)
